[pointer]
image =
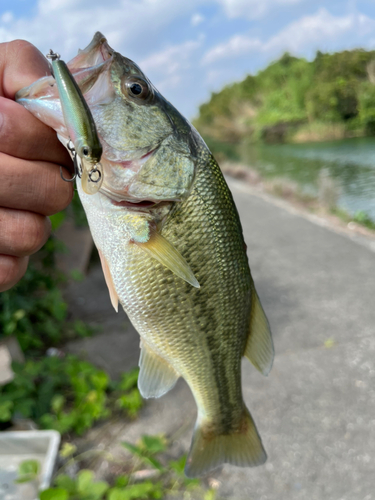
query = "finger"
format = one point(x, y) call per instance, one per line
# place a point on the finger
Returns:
point(22, 233)
point(20, 65)
point(38, 142)
point(35, 186)
point(11, 270)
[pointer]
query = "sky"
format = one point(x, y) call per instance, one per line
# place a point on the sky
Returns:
point(190, 48)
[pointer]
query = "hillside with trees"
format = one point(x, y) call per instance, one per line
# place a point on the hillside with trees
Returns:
point(294, 100)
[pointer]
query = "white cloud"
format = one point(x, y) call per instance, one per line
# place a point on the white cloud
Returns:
point(168, 65)
point(7, 17)
point(196, 19)
point(318, 30)
point(216, 75)
point(67, 25)
point(252, 9)
point(309, 32)
point(236, 46)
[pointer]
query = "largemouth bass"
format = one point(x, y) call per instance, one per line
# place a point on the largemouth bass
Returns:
point(172, 250)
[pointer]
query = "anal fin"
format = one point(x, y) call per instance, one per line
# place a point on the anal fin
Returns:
point(259, 347)
point(156, 376)
point(108, 279)
point(160, 249)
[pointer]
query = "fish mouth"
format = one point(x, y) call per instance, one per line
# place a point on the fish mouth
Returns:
point(135, 204)
point(124, 200)
point(119, 195)
point(87, 68)
point(97, 52)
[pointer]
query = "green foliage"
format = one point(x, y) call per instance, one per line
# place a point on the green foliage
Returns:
point(334, 88)
point(66, 394)
point(28, 470)
point(362, 218)
point(57, 220)
point(54, 494)
point(79, 214)
point(366, 107)
point(169, 479)
point(149, 446)
point(34, 310)
point(84, 487)
point(144, 490)
point(359, 217)
point(178, 466)
point(146, 448)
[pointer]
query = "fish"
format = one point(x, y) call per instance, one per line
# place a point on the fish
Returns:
point(172, 251)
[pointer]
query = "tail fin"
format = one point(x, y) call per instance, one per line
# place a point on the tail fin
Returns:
point(209, 450)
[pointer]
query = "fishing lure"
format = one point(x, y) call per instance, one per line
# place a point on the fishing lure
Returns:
point(84, 141)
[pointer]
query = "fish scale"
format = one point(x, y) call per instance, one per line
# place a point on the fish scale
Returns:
point(172, 250)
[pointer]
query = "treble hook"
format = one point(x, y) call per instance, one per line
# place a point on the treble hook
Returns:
point(75, 163)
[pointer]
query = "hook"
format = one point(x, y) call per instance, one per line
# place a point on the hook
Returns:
point(77, 171)
point(95, 174)
point(67, 180)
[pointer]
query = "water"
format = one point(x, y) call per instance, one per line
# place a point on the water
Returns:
point(350, 163)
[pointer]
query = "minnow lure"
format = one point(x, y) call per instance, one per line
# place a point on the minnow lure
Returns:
point(81, 127)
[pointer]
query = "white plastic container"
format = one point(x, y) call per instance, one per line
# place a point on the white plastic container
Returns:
point(15, 447)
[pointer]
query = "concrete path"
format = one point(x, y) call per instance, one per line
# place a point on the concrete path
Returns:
point(316, 410)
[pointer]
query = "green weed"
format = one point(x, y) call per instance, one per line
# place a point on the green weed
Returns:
point(67, 394)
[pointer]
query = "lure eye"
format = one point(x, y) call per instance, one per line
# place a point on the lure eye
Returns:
point(86, 151)
point(137, 87)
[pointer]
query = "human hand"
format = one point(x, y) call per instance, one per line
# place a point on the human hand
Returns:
point(30, 157)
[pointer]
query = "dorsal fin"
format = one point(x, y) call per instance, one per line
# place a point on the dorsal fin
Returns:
point(259, 347)
point(156, 376)
point(108, 279)
point(164, 252)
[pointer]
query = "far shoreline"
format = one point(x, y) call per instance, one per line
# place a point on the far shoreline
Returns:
point(291, 193)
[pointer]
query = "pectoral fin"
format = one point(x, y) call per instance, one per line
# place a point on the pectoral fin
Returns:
point(156, 376)
point(108, 279)
point(259, 348)
point(164, 252)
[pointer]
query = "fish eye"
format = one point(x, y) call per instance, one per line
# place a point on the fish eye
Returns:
point(137, 87)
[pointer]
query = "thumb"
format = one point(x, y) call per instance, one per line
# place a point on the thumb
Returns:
point(20, 65)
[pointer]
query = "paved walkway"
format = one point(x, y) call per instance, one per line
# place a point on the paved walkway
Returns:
point(316, 410)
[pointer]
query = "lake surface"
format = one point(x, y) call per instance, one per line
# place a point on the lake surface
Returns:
point(350, 163)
